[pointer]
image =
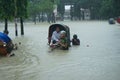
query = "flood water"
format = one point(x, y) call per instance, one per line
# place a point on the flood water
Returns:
point(97, 58)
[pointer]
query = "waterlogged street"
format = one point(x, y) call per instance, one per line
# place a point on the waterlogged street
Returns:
point(97, 58)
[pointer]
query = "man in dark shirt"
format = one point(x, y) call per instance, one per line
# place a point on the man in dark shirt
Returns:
point(75, 40)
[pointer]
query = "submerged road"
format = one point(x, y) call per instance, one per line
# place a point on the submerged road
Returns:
point(97, 58)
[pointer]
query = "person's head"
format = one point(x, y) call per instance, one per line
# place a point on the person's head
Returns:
point(57, 29)
point(6, 32)
point(75, 36)
point(62, 34)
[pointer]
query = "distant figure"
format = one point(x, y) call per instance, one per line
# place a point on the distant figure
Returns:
point(55, 36)
point(75, 40)
point(53, 17)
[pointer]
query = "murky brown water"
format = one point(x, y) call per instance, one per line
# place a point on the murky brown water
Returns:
point(99, 61)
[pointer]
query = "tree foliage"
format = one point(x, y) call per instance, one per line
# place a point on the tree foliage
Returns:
point(99, 9)
point(7, 9)
point(38, 6)
point(116, 7)
point(21, 8)
point(107, 9)
point(10, 9)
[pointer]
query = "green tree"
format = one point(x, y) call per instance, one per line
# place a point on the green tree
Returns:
point(93, 5)
point(61, 9)
point(34, 8)
point(40, 7)
point(107, 9)
point(7, 11)
point(116, 6)
point(21, 12)
point(110, 8)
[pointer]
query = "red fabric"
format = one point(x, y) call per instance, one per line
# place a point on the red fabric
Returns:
point(118, 20)
point(3, 51)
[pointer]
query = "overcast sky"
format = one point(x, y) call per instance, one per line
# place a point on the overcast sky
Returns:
point(67, 7)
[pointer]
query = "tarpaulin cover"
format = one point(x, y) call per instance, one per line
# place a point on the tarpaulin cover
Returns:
point(4, 38)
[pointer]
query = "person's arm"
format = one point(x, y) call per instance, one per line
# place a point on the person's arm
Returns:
point(63, 44)
point(78, 41)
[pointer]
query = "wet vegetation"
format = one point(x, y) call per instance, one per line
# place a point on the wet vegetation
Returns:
point(43, 10)
point(99, 9)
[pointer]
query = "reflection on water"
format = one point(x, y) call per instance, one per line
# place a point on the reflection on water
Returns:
point(98, 61)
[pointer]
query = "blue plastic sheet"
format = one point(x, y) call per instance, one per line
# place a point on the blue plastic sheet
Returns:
point(4, 38)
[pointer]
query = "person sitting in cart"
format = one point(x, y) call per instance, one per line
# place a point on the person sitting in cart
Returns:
point(63, 41)
point(75, 40)
point(55, 36)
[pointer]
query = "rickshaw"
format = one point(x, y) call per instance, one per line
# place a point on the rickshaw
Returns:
point(6, 45)
point(61, 27)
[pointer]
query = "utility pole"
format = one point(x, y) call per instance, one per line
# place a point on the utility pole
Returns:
point(16, 29)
